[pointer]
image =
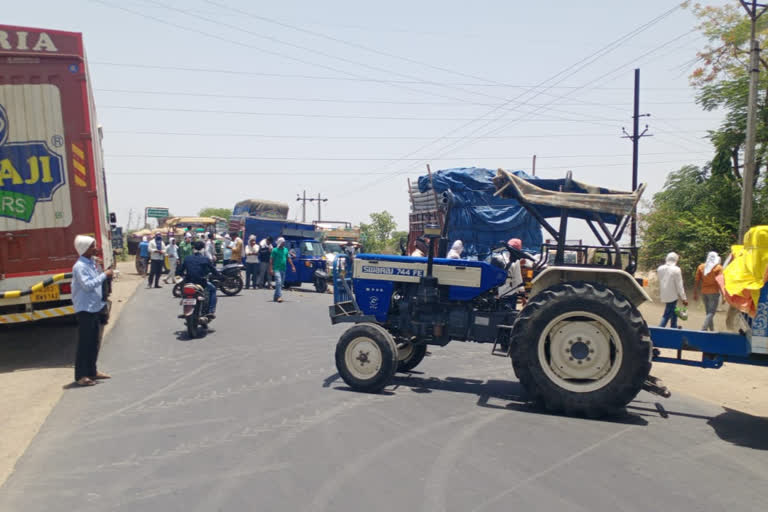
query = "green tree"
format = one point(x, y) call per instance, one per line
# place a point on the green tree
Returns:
point(377, 236)
point(224, 213)
point(691, 216)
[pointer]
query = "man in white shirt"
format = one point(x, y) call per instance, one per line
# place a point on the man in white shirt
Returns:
point(173, 258)
point(156, 259)
point(671, 289)
point(210, 248)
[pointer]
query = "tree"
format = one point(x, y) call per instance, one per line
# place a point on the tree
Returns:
point(693, 215)
point(224, 213)
point(723, 82)
point(377, 235)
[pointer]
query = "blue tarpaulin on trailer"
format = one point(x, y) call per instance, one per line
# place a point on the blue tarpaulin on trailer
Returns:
point(478, 218)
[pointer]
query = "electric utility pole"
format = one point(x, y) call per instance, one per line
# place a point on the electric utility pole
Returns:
point(303, 205)
point(635, 140)
point(303, 198)
point(754, 11)
point(320, 200)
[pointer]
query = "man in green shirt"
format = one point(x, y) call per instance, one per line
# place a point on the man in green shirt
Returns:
point(185, 247)
point(280, 257)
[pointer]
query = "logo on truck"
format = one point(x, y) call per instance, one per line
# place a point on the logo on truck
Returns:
point(29, 173)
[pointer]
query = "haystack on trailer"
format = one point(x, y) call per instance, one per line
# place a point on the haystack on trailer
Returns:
point(52, 183)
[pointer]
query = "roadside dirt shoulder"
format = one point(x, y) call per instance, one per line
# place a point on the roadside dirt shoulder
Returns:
point(35, 363)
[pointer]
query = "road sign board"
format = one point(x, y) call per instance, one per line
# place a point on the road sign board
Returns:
point(157, 213)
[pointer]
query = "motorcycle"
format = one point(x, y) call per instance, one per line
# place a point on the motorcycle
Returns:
point(194, 304)
point(229, 281)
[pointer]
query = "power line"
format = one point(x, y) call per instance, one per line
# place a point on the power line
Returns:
point(361, 101)
point(377, 159)
point(447, 149)
point(366, 137)
point(579, 66)
point(162, 67)
point(322, 173)
point(329, 116)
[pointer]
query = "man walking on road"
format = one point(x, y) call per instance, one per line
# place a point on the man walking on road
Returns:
point(156, 259)
point(173, 260)
point(279, 258)
point(88, 303)
point(671, 289)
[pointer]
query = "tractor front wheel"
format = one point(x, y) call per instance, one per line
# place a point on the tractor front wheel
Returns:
point(581, 348)
point(366, 357)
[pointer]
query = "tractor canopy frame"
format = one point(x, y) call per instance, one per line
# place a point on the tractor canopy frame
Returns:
point(567, 198)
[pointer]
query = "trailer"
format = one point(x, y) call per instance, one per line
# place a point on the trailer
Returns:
point(52, 181)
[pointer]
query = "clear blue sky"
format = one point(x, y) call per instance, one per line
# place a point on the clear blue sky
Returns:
point(354, 123)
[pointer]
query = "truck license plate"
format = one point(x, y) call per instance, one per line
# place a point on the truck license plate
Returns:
point(47, 294)
point(188, 302)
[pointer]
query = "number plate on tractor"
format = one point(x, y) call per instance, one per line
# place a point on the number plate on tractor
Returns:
point(47, 294)
point(188, 302)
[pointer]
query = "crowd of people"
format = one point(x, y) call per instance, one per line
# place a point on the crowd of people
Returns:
point(266, 261)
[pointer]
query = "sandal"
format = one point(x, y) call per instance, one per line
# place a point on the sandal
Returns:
point(85, 381)
point(100, 375)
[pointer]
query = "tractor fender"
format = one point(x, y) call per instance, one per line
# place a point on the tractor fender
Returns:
point(613, 278)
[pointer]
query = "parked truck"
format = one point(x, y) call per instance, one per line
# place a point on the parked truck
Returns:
point(52, 182)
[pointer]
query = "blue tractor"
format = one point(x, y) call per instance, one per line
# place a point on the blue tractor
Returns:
point(579, 345)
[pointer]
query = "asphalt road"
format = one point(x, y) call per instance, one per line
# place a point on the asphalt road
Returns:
point(254, 417)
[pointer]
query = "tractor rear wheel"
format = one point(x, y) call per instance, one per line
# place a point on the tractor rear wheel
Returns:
point(581, 348)
point(410, 355)
point(366, 357)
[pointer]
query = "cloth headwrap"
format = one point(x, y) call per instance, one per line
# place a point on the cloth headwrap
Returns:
point(187, 235)
point(144, 239)
point(713, 260)
point(280, 241)
point(672, 258)
point(82, 243)
point(516, 243)
point(171, 240)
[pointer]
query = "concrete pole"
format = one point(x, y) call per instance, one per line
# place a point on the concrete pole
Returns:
point(745, 219)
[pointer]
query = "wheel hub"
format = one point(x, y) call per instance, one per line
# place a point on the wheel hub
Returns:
point(363, 358)
point(580, 350)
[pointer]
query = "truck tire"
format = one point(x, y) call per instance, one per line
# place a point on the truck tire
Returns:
point(366, 357)
point(410, 355)
point(581, 349)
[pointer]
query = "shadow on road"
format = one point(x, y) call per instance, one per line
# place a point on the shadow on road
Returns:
point(491, 394)
point(741, 429)
point(39, 345)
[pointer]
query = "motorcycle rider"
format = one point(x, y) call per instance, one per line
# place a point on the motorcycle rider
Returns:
point(195, 269)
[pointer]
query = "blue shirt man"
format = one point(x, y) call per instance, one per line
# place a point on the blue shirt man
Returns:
point(88, 301)
point(195, 268)
point(86, 286)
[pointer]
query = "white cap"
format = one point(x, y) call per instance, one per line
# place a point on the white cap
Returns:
point(82, 243)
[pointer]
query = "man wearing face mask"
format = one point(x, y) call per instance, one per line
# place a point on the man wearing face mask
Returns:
point(88, 302)
point(156, 259)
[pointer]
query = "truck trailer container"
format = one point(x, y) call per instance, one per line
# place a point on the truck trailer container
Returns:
point(52, 182)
